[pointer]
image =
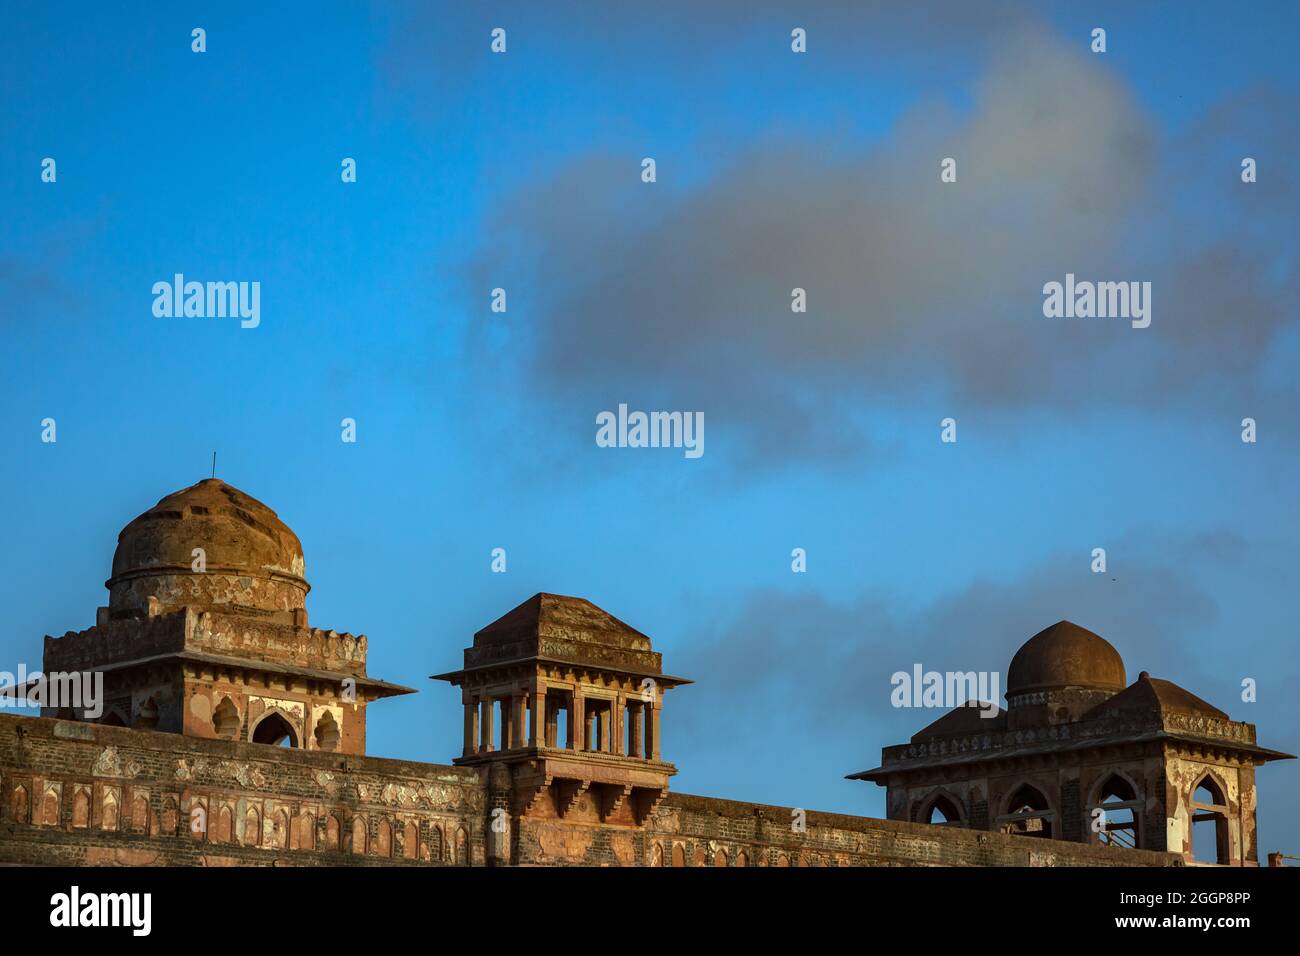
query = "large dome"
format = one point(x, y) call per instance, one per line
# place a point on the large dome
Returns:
point(251, 557)
point(1065, 655)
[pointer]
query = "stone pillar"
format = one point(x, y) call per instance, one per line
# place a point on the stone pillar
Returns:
point(551, 709)
point(539, 728)
point(471, 726)
point(616, 732)
point(604, 725)
point(517, 738)
point(652, 731)
point(485, 725)
point(577, 722)
point(635, 716)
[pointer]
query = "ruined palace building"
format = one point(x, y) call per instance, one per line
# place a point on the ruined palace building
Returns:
point(234, 732)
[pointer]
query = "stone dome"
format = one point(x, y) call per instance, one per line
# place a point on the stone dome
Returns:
point(1065, 655)
point(252, 558)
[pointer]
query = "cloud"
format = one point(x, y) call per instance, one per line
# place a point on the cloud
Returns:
point(678, 295)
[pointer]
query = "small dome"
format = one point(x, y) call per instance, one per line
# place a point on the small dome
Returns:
point(251, 558)
point(1065, 655)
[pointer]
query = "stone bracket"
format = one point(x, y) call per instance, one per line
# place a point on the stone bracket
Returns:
point(644, 802)
point(610, 797)
point(567, 794)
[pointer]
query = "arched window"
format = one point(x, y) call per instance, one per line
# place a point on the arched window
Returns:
point(225, 719)
point(147, 718)
point(941, 810)
point(679, 855)
point(1028, 813)
point(1210, 841)
point(1113, 816)
point(273, 729)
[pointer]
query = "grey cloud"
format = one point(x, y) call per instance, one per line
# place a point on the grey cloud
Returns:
point(683, 291)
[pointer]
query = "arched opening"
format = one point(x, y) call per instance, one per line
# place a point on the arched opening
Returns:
point(113, 719)
point(274, 730)
point(327, 733)
point(225, 719)
point(147, 718)
point(1028, 813)
point(942, 810)
point(1210, 841)
point(1114, 815)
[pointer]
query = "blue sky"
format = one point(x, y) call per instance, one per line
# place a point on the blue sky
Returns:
point(475, 429)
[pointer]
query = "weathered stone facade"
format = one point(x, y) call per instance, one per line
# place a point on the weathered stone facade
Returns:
point(1079, 756)
point(234, 734)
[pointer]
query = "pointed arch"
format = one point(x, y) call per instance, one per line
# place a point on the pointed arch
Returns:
point(359, 835)
point(274, 729)
point(20, 804)
point(108, 813)
point(1114, 811)
point(252, 827)
point(140, 811)
point(1211, 840)
point(942, 808)
point(81, 808)
point(1027, 812)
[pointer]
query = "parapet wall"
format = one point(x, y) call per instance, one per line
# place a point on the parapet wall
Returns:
point(87, 794)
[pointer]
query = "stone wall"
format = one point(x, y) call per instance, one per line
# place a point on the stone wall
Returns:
point(78, 793)
point(87, 794)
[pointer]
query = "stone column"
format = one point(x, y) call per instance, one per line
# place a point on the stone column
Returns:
point(516, 725)
point(551, 709)
point(652, 731)
point(635, 716)
point(537, 697)
point(604, 724)
point(617, 736)
point(577, 722)
point(487, 705)
point(471, 726)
